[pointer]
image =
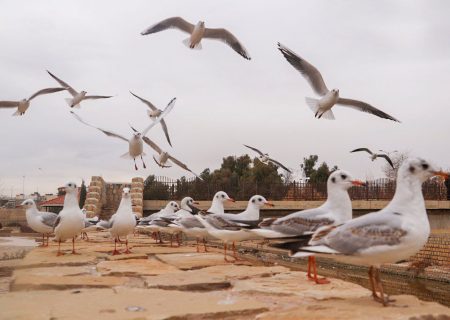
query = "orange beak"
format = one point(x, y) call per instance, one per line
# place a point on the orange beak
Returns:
point(358, 183)
point(231, 200)
point(270, 204)
point(441, 174)
point(195, 202)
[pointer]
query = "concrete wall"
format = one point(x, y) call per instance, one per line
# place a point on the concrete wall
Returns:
point(16, 216)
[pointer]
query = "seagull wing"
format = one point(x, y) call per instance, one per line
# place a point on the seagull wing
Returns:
point(166, 132)
point(96, 97)
point(227, 37)
point(148, 103)
point(364, 107)
point(254, 149)
point(174, 22)
point(46, 91)
point(72, 91)
point(48, 218)
point(310, 72)
point(9, 104)
point(385, 156)
point(152, 144)
point(362, 149)
point(108, 133)
point(179, 163)
point(280, 165)
point(163, 114)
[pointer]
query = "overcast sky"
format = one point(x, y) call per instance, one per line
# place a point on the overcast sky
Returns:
point(394, 55)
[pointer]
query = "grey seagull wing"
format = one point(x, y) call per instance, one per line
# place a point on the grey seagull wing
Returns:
point(46, 91)
point(227, 37)
point(72, 91)
point(96, 97)
point(166, 131)
point(49, 218)
point(152, 144)
point(162, 115)
point(108, 133)
point(254, 149)
point(280, 165)
point(9, 104)
point(174, 22)
point(310, 72)
point(362, 149)
point(364, 107)
point(385, 156)
point(148, 103)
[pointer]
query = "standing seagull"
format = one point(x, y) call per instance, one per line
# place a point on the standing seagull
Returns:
point(123, 222)
point(264, 158)
point(373, 156)
point(392, 234)
point(164, 156)
point(322, 107)
point(198, 32)
point(154, 113)
point(135, 145)
point(41, 222)
point(217, 203)
point(77, 96)
point(70, 220)
point(23, 104)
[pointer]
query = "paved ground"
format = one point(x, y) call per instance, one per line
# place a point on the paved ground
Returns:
point(160, 282)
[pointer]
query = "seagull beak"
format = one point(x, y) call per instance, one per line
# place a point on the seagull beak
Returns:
point(358, 183)
point(231, 200)
point(270, 204)
point(441, 174)
point(195, 202)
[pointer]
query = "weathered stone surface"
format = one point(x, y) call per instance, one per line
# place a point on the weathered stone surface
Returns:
point(187, 261)
point(188, 281)
point(108, 304)
point(134, 267)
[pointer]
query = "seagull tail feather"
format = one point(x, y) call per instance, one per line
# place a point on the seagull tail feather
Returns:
point(313, 104)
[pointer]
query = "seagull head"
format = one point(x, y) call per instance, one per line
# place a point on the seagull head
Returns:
point(126, 192)
point(137, 135)
point(259, 201)
point(173, 206)
point(29, 203)
point(71, 187)
point(83, 93)
point(342, 180)
point(222, 196)
point(335, 92)
point(201, 23)
point(187, 202)
point(417, 168)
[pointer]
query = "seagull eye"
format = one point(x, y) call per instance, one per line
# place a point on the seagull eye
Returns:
point(223, 196)
point(333, 179)
point(412, 169)
point(343, 176)
point(260, 199)
point(253, 201)
point(425, 166)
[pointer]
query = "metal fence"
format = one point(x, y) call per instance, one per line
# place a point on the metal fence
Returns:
point(163, 188)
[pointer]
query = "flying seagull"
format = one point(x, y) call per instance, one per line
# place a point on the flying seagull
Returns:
point(135, 145)
point(322, 107)
point(198, 32)
point(77, 96)
point(373, 156)
point(164, 157)
point(23, 104)
point(264, 158)
point(154, 113)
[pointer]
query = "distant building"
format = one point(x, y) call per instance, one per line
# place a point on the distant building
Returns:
point(55, 203)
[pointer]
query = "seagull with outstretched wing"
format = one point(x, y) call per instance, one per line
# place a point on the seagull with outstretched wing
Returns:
point(77, 96)
point(264, 158)
point(197, 33)
point(154, 113)
point(135, 144)
point(24, 104)
point(374, 156)
point(322, 107)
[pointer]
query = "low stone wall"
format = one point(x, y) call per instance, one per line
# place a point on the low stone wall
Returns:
point(12, 216)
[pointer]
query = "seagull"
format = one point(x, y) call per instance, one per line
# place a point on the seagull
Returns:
point(154, 113)
point(41, 222)
point(168, 211)
point(233, 227)
point(123, 222)
point(77, 96)
point(217, 203)
point(392, 234)
point(264, 158)
point(373, 156)
point(322, 107)
point(164, 157)
point(336, 210)
point(70, 220)
point(23, 104)
point(90, 224)
point(197, 33)
point(135, 145)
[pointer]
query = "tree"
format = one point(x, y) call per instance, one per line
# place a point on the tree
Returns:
point(397, 159)
point(314, 174)
point(154, 189)
point(83, 193)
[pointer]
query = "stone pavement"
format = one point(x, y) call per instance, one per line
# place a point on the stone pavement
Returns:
point(160, 282)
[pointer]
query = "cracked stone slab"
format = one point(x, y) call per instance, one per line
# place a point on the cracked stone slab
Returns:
point(124, 304)
point(188, 261)
point(134, 267)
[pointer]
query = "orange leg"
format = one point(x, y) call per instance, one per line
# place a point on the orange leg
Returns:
point(225, 253)
point(43, 241)
point(198, 250)
point(115, 252)
point(171, 240)
point(310, 277)
point(317, 279)
point(73, 246)
point(59, 249)
point(235, 252)
point(204, 245)
point(126, 250)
